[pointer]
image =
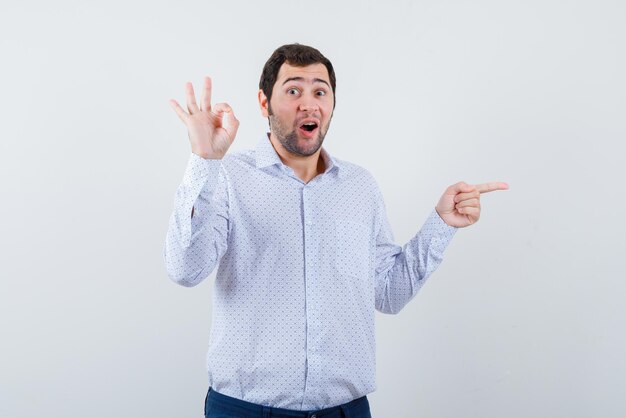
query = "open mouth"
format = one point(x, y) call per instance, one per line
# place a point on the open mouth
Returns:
point(309, 126)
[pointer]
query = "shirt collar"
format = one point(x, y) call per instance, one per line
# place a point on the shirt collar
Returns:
point(266, 155)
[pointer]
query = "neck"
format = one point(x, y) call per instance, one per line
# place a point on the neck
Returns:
point(306, 168)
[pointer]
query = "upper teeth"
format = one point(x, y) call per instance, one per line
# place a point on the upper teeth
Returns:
point(310, 123)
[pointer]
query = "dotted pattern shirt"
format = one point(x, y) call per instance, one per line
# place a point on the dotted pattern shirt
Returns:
point(301, 269)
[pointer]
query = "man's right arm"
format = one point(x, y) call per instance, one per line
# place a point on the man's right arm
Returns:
point(198, 230)
point(195, 244)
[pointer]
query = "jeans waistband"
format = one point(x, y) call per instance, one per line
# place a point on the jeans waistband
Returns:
point(253, 409)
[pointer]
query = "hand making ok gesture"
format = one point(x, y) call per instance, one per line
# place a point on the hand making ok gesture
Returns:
point(460, 204)
point(211, 129)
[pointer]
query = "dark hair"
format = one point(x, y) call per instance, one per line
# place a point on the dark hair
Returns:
point(298, 56)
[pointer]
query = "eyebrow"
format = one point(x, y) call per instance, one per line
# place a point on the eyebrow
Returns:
point(315, 80)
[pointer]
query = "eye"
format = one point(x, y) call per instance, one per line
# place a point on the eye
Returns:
point(321, 92)
point(292, 91)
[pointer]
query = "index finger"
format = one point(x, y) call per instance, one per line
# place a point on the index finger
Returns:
point(492, 186)
point(206, 94)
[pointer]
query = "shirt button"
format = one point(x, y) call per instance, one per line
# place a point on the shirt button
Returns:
point(309, 223)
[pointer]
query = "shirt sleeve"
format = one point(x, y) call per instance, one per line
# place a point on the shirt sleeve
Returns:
point(194, 245)
point(401, 271)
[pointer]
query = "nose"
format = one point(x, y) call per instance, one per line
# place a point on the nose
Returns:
point(308, 106)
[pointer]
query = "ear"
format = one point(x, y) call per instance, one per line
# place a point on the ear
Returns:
point(263, 103)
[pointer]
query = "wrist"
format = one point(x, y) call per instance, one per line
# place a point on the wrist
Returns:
point(207, 155)
point(438, 212)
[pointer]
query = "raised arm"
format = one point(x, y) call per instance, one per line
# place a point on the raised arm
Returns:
point(198, 230)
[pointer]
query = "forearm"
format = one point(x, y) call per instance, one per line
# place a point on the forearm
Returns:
point(405, 270)
point(194, 244)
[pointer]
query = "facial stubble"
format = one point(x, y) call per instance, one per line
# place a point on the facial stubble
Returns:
point(289, 139)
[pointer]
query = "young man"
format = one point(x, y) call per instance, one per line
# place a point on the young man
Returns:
point(304, 250)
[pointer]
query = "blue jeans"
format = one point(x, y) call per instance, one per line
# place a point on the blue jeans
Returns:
point(218, 405)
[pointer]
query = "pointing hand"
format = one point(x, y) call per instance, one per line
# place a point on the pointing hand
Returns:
point(459, 205)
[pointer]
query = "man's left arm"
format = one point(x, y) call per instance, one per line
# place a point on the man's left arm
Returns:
point(401, 271)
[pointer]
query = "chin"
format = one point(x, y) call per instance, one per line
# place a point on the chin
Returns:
point(311, 149)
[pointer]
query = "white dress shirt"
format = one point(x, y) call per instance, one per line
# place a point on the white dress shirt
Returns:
point(301, 270)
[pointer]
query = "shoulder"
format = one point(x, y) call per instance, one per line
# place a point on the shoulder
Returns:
point(237, 160)
point(355, 173)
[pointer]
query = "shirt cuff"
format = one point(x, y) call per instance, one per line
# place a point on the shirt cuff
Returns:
point(436, 231)
point(201, 171)
point(201, 177)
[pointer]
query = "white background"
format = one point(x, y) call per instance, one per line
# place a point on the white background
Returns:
point(525, 317)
